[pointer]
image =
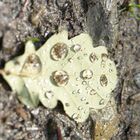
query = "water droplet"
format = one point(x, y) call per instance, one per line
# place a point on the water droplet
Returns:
point(75, 116)
point(67, 104)
point(85, 54)
point(79, 91)
point(84, 82)
point(104, 56)
point(77, 79)
point(103, 64)
point(85, 111)
point(61, 78)
point(79, 57)
point(101, 102)
point(87, 74)
point(74, 92)
point(93, 57)
point(49, 94)
point(32, 65)
point(92, 92)
point(110, 64)
point(70, 60)
point(80, 108)
point(103, 80)
point(83, 99)
point(110, 70)
point(59, 51)
point(76, 47)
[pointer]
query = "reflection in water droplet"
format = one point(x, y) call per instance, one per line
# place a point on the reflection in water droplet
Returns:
point(103, 80)
point(59, 51)
point(87, 74)
point(49, 94)
point(61, 78)
point(31, 66)
point(76, 47)
point(75, 116)
point(93, 57)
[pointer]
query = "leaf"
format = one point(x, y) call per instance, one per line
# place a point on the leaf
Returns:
point(68, 70)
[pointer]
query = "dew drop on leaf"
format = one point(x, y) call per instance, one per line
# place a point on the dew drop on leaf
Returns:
point(59, 51)
point(67, 104)
point(104, 56)
point(49, 94)
point(76, 47)
point(60, 78)
point(92, 92)
point(70, 60)
point(79, 91)
point(110, 70)
point(32, 65)
point(83, 99)
point(93, 57)
point(103, 80)
point(74, 92)
point(80, 108)
point(84, 82)
point(87, 74)
point(77, 79)
point(103, 64)
point(101, 102)
point(75, 116)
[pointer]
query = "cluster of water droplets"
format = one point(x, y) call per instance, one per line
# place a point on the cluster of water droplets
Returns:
point(61, 78)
